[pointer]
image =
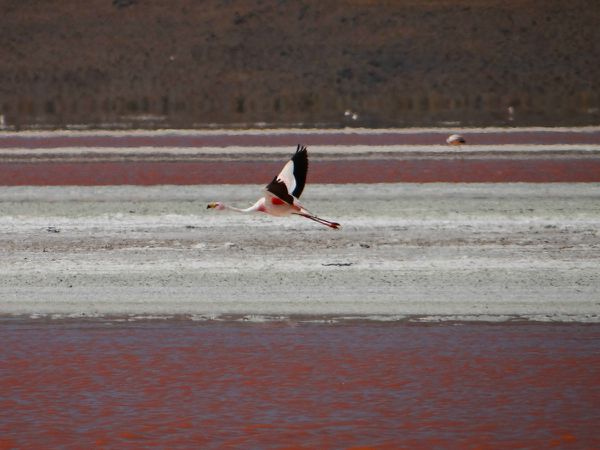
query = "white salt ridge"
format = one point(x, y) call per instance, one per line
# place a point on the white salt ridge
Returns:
point(120, 222)
point(316, 151)
point(285, 131)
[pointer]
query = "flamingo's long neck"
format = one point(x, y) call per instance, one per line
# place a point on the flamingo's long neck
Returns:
point(258, 206)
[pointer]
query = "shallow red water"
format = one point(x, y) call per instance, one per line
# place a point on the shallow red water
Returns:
point(181, 384)
point(415, 170)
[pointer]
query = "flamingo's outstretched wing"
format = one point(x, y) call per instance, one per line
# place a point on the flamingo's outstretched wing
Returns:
point(290, 182)
point(278, 189)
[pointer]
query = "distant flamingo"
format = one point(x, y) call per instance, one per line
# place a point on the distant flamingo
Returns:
point(456, 139)
point(281, 194)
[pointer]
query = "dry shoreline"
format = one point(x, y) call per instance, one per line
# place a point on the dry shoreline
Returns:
point(441, 251)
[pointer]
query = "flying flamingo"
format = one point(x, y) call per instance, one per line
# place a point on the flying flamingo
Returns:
point(281, 194)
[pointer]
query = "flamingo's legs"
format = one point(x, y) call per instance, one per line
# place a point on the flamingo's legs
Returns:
point(328, 223)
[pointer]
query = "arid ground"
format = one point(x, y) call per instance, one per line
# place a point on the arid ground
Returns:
point(148, 63)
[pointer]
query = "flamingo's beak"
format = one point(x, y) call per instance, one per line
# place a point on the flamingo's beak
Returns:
point(211, 205)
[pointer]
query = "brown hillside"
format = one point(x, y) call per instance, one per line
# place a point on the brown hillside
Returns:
point(191, 63)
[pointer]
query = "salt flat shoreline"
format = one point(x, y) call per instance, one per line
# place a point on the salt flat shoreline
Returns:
point(488, 252)
point(93, 232)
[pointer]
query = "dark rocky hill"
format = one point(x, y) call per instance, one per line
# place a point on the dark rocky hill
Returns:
point(192, 63)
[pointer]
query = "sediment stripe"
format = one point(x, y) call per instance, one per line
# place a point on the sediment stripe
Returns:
point(415, 170)
point(166, 138)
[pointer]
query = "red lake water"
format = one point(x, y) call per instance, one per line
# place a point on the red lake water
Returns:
point(287, 384)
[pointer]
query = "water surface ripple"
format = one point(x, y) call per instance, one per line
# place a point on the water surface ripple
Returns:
point(148, 384)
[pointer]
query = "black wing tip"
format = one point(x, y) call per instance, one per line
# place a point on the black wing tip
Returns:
point(300, 160)
point(301, 154)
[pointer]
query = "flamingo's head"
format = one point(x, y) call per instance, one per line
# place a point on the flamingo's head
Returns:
point(215, 205)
